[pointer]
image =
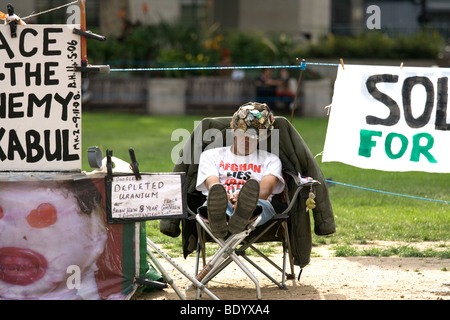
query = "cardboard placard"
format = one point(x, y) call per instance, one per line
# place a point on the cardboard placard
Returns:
point(40, 99)
point(154, 196)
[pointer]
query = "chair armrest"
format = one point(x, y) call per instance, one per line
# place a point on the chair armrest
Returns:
point(300, 182)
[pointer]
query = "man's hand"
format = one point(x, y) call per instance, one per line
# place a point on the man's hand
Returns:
point(232, 198)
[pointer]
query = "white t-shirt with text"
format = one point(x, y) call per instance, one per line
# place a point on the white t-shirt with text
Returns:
point(234, 170)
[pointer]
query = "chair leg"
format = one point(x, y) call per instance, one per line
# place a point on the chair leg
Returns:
point(286, 254)
point(200, 248)
point(280, 285)
point(194, 281)
point(197, 257)
point(290, 276)
point(203, 246)
point(227, 248)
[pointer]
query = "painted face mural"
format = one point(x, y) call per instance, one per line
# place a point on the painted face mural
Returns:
point(50, 234)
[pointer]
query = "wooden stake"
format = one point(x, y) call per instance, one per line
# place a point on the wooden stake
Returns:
point(342, 63)
point(84, 60)
point(296, 92)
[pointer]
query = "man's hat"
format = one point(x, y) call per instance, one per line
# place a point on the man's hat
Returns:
point(253, 115)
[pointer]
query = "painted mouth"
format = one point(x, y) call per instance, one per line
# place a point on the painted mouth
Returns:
point(21, 266)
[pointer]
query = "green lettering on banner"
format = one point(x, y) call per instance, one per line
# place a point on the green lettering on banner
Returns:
point(419, 149)
point(388, 145)
point(366, 142)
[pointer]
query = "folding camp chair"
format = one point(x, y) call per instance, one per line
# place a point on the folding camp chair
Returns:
point(291, 226)
point(275, 229)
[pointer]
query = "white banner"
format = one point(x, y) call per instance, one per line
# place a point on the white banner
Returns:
point(40, 99)
point(390, 119)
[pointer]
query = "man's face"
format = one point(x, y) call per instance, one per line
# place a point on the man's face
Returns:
point(244, 145)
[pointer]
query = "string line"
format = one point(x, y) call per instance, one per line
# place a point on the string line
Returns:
point(49, 10)
point(386, 192)
point(222, 67)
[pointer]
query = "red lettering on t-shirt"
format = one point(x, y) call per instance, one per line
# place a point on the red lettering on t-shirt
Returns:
point(241, 167)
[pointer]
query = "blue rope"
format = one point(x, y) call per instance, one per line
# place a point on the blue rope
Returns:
point(301, 66)
point(386, 192)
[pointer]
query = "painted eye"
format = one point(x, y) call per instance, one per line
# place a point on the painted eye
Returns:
point(1, 212)
point(43, 216)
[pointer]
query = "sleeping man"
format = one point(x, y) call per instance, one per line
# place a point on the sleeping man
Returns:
point(239, 180)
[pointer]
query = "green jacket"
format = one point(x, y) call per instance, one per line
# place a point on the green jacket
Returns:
point(295, 156)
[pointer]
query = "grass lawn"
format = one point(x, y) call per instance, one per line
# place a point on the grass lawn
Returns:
point(361, 216)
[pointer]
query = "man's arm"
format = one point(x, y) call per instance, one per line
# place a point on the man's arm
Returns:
point(267, 185)
point(210, 181)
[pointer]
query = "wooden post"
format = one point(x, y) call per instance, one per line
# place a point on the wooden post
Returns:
point(298, 88)
point(84, 60)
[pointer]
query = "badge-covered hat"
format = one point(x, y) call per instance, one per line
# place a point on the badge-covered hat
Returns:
point(253, 115)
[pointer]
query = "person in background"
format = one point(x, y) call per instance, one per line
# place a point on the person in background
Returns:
point(266, 87)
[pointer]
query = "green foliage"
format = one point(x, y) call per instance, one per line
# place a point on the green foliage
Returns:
point(167, 45)
point(376, 45)
point(186, 45)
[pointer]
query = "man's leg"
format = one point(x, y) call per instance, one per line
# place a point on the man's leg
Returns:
point(267, 211)
point(245, 206)
point(216, 205)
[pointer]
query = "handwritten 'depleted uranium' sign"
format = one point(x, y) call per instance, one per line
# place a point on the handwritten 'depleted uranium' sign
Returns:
point(390, 119)
point(154, 196)
point(40, 99)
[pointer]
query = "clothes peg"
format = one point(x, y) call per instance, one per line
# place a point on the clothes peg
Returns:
point(342, 63)
point(92, 68)
point(89, 34)
point(11, 20)
point(303, 65)
point(328, 108)
point(134, 165)
point(109, 165)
